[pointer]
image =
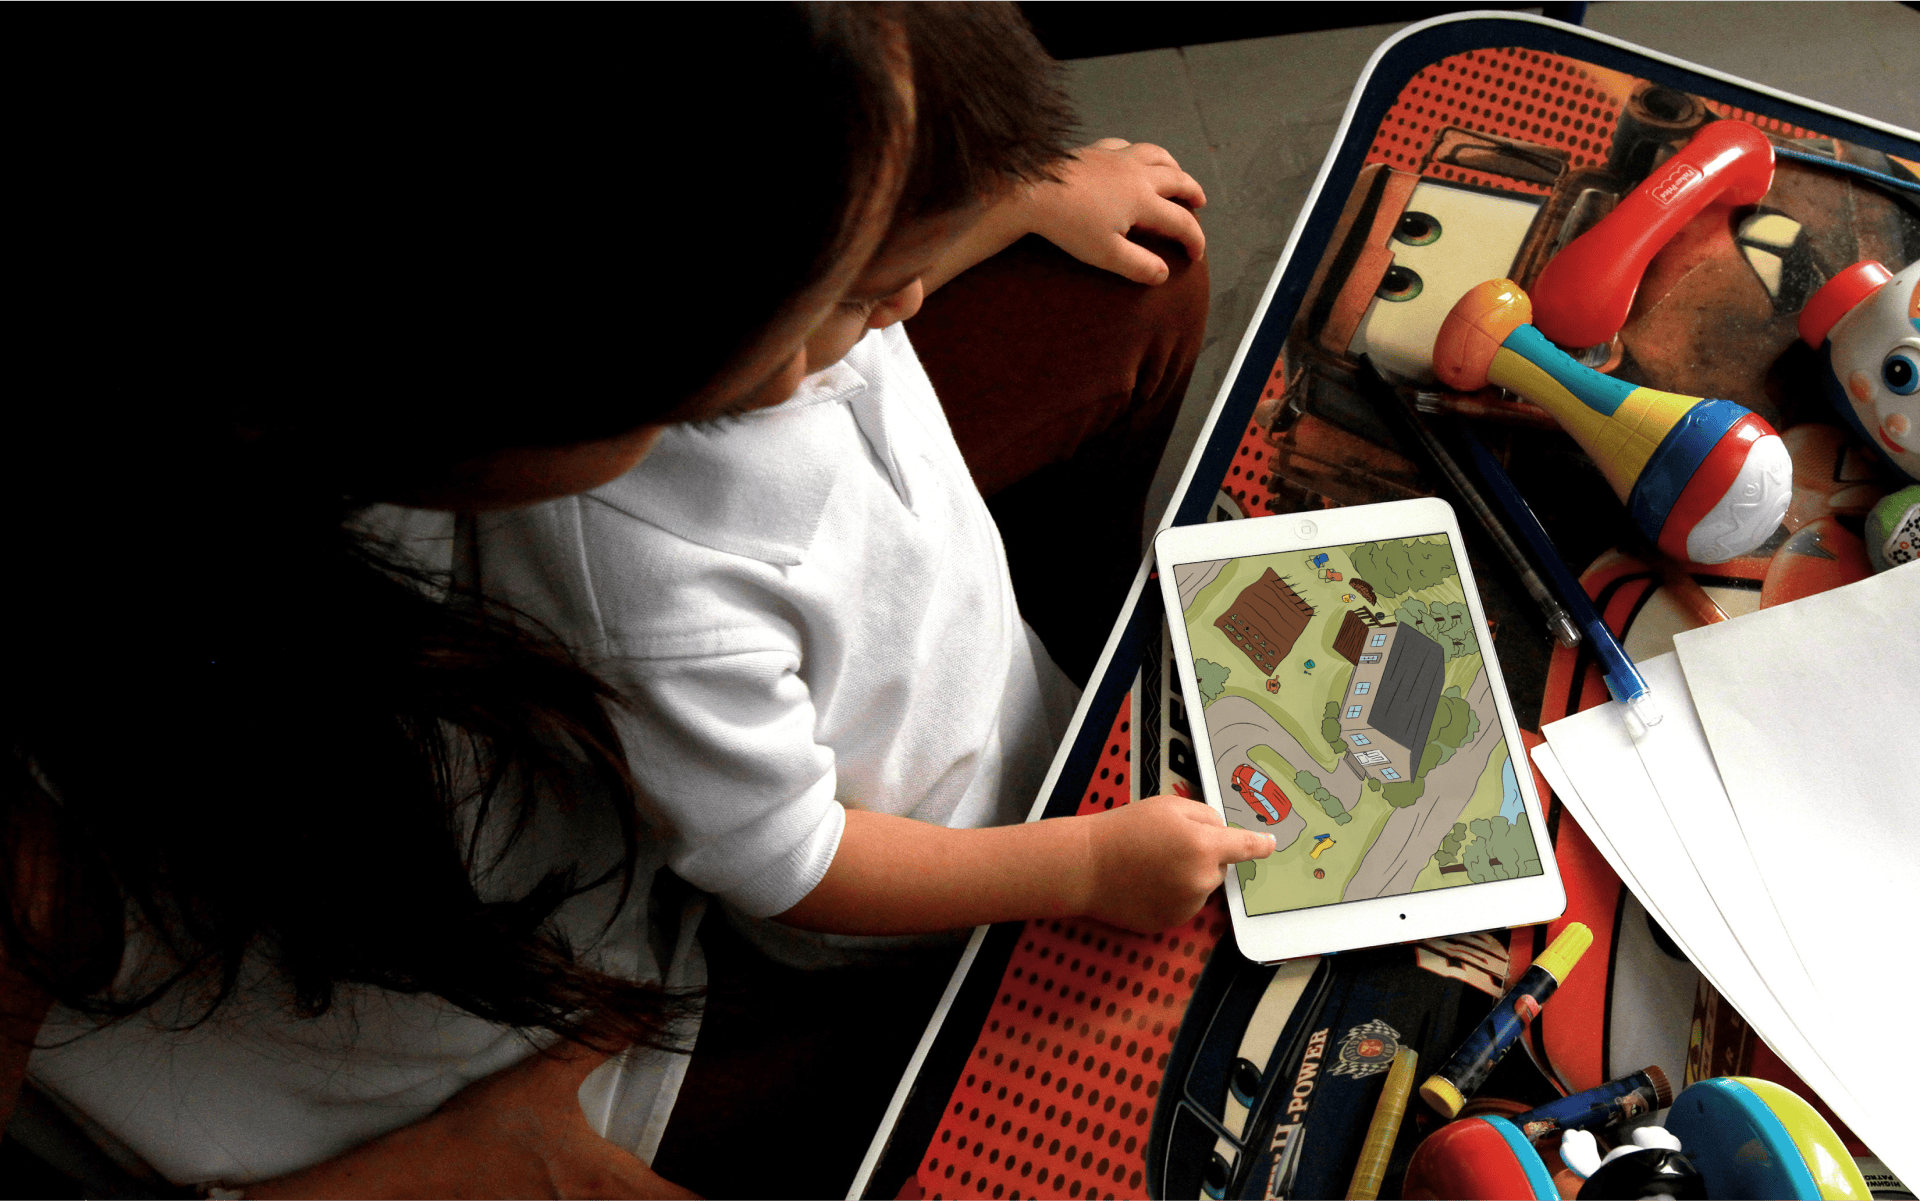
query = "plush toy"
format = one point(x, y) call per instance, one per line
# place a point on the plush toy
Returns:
point(1651, 1165)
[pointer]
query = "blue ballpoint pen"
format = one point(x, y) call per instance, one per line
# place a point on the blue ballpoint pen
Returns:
point(1624, 680)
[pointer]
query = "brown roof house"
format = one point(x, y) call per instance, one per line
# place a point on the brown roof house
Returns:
point(1265, 620)
point(1387, 713)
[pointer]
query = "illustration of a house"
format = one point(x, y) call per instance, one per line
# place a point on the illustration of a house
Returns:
point(1388, 708)
point(1265, 620)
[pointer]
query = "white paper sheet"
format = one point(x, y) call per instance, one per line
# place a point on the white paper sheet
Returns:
point(1706, 941)
point(1630, 824)
point(1599, 761)
point(1569, 796)
point(1681, 766)
point(1673, 844)
point(1813, 712)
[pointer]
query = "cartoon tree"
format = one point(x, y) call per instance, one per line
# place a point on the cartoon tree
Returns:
point(1212, 678)
point(1330, 725)
point(1331, 804)
point(1446, 622)
point(1454, 725)
point(1401, 793)
point(1407, 566)
point(1500, 850)
point(1449, 852)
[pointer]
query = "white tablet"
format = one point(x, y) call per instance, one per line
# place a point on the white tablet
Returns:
point(1350, 706)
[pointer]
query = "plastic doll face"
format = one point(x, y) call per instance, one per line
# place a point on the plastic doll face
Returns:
point(1876, 362)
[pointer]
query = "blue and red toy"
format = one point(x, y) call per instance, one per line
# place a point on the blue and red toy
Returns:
point(1706, 480)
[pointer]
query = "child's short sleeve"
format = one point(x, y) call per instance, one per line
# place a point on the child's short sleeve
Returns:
point(805, 610)
point(724, 747)
point(718, 723)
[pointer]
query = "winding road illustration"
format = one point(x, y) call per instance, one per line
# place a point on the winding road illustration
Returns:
point(1237, 724)
point(1412, 834)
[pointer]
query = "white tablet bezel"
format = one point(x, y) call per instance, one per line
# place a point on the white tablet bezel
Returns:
point(1348, 925)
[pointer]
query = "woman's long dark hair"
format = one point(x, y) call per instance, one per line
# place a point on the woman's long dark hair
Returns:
point(272, 294)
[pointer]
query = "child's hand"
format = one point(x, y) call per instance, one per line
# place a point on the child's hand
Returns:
point(1154, 862)
point(1109, 188)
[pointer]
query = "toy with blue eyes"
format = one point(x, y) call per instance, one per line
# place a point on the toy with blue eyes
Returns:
point(1868, 318)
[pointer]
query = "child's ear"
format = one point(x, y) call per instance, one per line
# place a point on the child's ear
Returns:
point(901, 306)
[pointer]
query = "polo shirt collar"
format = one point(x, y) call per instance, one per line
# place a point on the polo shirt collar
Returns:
point(757, 485)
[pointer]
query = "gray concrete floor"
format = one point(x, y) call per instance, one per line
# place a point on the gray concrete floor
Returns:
point(1251, 121)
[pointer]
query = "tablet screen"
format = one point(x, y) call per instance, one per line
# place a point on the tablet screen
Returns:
point(1350, 713)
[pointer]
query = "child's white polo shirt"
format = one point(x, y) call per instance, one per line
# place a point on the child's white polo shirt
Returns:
point(807, 609)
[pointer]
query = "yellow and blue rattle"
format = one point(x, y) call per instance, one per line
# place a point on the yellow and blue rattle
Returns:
point(1705, 480)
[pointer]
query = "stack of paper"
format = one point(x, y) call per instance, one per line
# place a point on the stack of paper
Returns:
point(1771, 824)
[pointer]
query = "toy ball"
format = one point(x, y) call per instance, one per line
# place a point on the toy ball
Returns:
point(1893, 529)
point(1483, 1156)
point(1753, 1138)
point(1706, 480)
point(1868, 318)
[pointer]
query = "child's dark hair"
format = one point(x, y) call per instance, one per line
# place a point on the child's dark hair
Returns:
point(990, 110)
point(270, 292)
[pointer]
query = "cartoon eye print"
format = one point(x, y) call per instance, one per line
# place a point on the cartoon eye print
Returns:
point(1417, 229)
point(1901, 373)
point(1400, 284)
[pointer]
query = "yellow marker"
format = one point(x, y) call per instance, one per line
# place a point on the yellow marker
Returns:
point(1385, 1127)
point(1448, 1089)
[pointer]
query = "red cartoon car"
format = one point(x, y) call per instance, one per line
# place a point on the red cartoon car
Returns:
point(1261, 794)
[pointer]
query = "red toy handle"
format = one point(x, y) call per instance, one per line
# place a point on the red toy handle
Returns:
point(1582, 298)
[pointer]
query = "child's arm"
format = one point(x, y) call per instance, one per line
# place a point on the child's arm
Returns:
point(1105, 190)
point(1145, 866)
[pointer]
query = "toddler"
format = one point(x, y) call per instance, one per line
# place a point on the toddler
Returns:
point(835, 707)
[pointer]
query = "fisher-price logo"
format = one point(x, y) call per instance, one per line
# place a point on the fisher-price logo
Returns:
point(1679, 180)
